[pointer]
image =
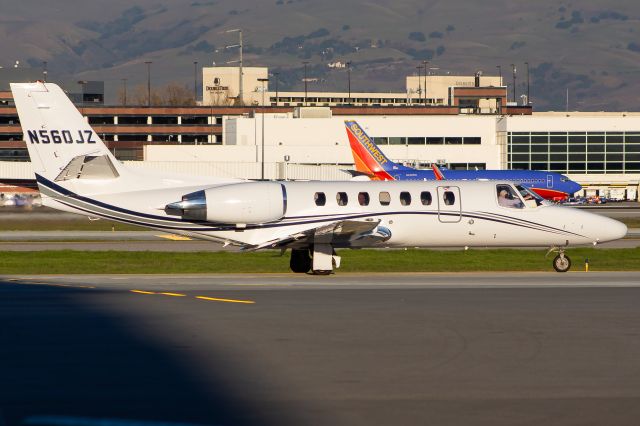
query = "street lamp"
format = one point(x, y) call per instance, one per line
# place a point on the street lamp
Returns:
point(425, 81)
point(513, 69)
point(148, 82)
point(262, 80)
point(305, 82)
point(499, 73)
point(275, 76)
point(419, 68)
point(82, 83)
point(195, 82)
point(124, 91)
point(349, 80)
point(44, 71)
point(528, 86)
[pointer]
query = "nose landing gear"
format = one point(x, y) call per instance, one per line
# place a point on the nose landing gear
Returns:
point(562, 262)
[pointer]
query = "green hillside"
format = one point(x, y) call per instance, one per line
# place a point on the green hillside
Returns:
point(590, 47)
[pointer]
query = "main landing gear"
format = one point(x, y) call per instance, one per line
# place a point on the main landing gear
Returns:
point(562, 262)
point(319, 259)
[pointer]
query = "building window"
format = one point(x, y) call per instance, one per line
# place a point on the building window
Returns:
point(415, 141)
point(132, 119)
point(320, 198)
point(435, 141)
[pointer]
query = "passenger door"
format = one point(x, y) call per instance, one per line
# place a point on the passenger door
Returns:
point(449, 204)
point(549, 181)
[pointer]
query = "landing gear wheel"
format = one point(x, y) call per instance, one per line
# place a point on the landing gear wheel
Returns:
point(321, 272)
point(300, 261)
point(561, 263)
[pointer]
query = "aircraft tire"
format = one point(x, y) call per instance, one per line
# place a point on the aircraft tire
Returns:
point(322, 272)
point(300, 262)
point(561, 263)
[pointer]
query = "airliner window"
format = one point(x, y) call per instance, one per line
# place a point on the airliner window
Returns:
point(385, 198)
point(320, 198)
point(363, 198)
point(449, 198)
point(507, 197)
point(425, 198)
point(342, 199)
point(405, 198)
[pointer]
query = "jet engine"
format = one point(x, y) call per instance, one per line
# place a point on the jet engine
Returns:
point(238, 203)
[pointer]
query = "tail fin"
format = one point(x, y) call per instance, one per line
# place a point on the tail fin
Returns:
point(59, 139)
point(437, 172)
point(369, 159)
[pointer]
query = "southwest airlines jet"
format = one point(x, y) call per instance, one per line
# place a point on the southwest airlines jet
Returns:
point(370, 160)
point(77, 173)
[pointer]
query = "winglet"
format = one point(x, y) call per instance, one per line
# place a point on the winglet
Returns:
point(436, 171)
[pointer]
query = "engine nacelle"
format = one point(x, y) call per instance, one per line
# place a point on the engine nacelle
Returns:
point(238, 203)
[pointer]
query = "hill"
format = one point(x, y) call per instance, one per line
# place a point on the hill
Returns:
point(590, 47)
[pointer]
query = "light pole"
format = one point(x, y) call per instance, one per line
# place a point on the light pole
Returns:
point(262, 80)
point(419, 68)
point(528, 85)
point(195, 82)
point(148, 82)
point(82, 84)
point(499, 73)
point(513, 69)
point(349, 80)
point(240, 46)
point(305, 82)
point(425, 81)
point(124, 91)
point(44, 71)
point(275, 76)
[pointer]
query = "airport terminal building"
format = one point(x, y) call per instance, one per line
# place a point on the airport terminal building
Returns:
point(462, 122)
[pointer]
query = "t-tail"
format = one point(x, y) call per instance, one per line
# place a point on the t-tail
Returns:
point(59, 139)
point(368, 157)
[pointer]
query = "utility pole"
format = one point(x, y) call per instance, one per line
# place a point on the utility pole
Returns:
point(262, 80)
point(425, 81)
point(124, 91)
point(148, 82)
point(513, 69)
point(305, 82)
point(240, 100)
point(195, 82)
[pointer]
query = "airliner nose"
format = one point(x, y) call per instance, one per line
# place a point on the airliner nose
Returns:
point(575, 187)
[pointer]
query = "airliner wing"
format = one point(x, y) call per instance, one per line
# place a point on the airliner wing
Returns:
point(342, 233)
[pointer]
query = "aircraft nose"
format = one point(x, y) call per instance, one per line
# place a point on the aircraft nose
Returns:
point(608, 229)
point(575, 188)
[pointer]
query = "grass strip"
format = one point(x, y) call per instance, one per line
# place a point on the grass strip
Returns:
point(413, 260)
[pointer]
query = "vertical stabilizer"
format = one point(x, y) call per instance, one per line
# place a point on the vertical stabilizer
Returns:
point(54, 130)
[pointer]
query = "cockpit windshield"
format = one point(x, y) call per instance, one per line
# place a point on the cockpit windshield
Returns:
point(508, 197)
point(530, 198)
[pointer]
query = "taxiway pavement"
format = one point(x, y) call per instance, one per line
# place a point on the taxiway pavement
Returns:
point(347, 349)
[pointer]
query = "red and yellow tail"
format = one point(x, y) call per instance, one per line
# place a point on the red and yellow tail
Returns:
point(367, 157)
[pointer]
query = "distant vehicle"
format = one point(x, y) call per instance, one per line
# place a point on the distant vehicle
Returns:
point(77, 173)
point(370, 160)
point(573, 201)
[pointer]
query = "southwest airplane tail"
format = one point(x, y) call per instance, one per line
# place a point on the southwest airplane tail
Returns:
point(370, 160)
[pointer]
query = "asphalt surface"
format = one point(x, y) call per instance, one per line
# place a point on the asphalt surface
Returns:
point(348, 349)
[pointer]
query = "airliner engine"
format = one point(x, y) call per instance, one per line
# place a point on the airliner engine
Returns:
point(256, 202)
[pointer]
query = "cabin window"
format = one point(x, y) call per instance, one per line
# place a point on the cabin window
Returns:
point(425, 198)
point(405, 198)
point(385, 198)
point(342, 198)
point(363, 198)
point(507, 197)
point(320, 198)
point(449, 198)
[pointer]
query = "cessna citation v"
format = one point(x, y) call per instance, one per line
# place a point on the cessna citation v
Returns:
point(370, 161)
point(76, 172)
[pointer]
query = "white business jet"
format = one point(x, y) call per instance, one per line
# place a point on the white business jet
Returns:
point(76, 172)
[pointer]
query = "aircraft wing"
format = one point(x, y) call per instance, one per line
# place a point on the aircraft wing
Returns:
point(343, 233)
